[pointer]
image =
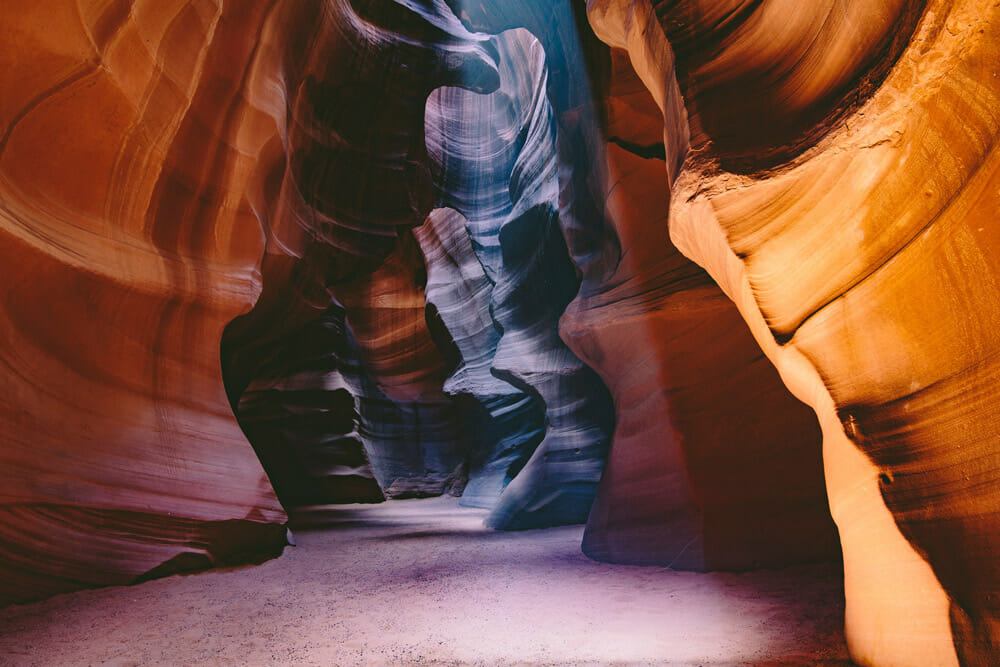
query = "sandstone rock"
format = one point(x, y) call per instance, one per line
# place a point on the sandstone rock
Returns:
point(345, 178)
point(882, 183)
point(172, 170)
point(714, 465)
point(124, 256)
point(504, 423)
point(150, 153)
point(498, 168)
point(301, 414)
point(653, 324)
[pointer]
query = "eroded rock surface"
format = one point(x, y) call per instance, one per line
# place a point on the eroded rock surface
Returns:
point(170, 168)
point(302, 414)
point(848, 240)
point(151, 152)
point(124, 254)
point(505, 423)
point(498, 167)
point(702, 473)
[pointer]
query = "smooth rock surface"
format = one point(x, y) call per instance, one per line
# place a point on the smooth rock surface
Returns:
point(885, 183)
point(163, 167)
point(123, 258)
point(712, 463)
point(505, 424)
point(302, 415)
point(174, 170)
point(505, 143)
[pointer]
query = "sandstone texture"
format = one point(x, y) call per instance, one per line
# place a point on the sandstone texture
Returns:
point(125, 252)
point(849, 240)
point(715, 277)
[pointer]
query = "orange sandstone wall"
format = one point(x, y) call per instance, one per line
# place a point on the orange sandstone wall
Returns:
point(713, 465)
point(126, 247)
point(169, 167)
point(841, 187)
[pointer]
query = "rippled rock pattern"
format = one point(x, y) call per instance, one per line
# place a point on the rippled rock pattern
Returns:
point(504, 423)
point(145, 148)
point(125, 254)
point(887, 183)
point(347, 178)
point(505, 144)
point(701, 474)
point(414, 433)
point(172, 170)
point(714, 465)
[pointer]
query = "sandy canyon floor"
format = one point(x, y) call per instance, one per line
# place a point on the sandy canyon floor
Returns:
point(422, 582)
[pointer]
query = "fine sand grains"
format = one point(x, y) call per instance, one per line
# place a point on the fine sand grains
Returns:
point(422, 582)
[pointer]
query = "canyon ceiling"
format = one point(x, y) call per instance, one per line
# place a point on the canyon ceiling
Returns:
point(699, 273)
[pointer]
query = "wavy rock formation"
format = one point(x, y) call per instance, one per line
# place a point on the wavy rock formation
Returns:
point(886, 181)
point(498, 168)
point(702, 474)
point(345, 177)
point(507, 423)
point(714, 465)
point(189, 181)
point(124, 256)
point(414, 433)
point(301, 415)
point(144, 147)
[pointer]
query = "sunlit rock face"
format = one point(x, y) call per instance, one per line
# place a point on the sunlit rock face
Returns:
point(413, 250)
point(714, 465)
point(849, 239)
point(505, 423)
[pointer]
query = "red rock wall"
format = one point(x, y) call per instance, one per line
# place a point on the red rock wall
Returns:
point(165, 166)
point(126, 249)
point(714, 465)
point(279, 151)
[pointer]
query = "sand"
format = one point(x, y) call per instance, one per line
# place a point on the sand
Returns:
point(422, 582)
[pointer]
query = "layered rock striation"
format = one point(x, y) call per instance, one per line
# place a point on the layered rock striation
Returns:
point(882, 182)
point(159, 164)
point(702, 474)
point(127, 248)
point(302, 414)
point(498, 169)
point(505, 423)
point(434, 251)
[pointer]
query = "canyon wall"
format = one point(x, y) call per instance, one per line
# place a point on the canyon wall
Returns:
point(125, 252)
point(160, 164)
point(205, 201)
point(841, 188)
point(565, 259)
point(713, 465)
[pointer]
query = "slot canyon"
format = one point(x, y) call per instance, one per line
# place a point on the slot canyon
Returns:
point(500, 332)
